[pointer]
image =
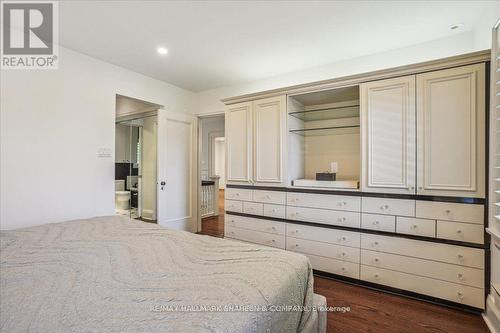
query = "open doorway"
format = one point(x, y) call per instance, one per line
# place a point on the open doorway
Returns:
point(212, 153)
point(136, 158)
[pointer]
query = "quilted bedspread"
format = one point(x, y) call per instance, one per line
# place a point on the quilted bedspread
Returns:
point(114, 274)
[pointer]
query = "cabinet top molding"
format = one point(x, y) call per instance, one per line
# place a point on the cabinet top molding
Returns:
point(432, 65)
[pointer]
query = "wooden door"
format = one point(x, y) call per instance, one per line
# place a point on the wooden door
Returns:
point(388, 135)
point(451, 123)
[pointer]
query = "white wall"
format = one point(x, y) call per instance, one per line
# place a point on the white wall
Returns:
point(208, 125)
point(52, 123)
point(209, 100)
point(220, 161)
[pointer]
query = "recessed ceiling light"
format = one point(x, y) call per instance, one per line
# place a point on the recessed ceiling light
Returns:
point(162, 50)
point(457, 26)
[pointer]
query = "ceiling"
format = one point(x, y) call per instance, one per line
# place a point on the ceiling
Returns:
point(220, 43)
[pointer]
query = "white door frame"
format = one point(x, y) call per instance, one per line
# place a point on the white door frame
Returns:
point(211, 150)
point(200, 145)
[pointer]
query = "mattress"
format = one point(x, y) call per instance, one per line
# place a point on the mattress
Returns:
point(114, 274)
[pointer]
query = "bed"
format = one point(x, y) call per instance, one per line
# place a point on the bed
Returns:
point(114, 274)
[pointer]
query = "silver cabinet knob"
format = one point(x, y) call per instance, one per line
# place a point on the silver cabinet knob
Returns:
point(460, 295)
point(375, 222)
point(460, 276)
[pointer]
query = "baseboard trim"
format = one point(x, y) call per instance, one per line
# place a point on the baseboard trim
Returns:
point(492, 314)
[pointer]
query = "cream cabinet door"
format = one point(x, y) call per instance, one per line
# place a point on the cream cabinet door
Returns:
point(269, 137)
point(238, 131)
point(122, 144)
point(388, 135)
point(450, 123)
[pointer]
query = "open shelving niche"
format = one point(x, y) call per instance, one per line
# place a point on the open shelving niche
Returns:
point(324, 127)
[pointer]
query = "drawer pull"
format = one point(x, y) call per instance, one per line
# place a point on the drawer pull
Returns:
point(273, 228)
point(459, 231)
point(343, 269)
point(447, 211)
point(413, 227)
point(460, 295)
point(272, 240)
point(376, 259)
point(342, 203)
point(273, 210)
point(237, 194)
point(375, 222)
point(460, 257)
point(296, 245)
point(341, 219)
point(384, 207)
point(342, 254)
point(267, 196)
point(460, 276)
point(344, 238)
point(376, 276)
point(375, 243)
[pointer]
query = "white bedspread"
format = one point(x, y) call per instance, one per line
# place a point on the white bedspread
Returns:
point(113, 274)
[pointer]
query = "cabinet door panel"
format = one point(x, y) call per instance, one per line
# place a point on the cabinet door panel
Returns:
point(388, 135)
point(269, 120)
point(450, 106)
point(238, 133)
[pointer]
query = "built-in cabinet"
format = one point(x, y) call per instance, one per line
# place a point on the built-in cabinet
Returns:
point(255, 141)
point(126, 138)
point(388, 135)
point(437, 136)
point(450, 132)
point(416, 141)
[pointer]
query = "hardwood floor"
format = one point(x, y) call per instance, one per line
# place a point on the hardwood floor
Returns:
point(214, 225)
point(375, 311)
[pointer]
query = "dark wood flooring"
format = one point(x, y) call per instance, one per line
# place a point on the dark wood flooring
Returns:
point(214, 225)
point(376, 311)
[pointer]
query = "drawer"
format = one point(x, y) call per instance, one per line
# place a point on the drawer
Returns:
point(437, 270)
point(274, 211)
point(256, 237)
point(378, 222)
point(333, 236)
point(401, 207)
point(233, 206)
point(251, 223)
point(334, 266)
point(452, 254)
point(253, 208)
point(272, 197)
point(413, 226)
point(451, 211)
point(423, 285)
point(334, 251)
point(465, 232)
point(326, 201)
point(324, 216)
point(238, 194)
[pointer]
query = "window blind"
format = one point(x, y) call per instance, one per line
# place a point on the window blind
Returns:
point(494, 194)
